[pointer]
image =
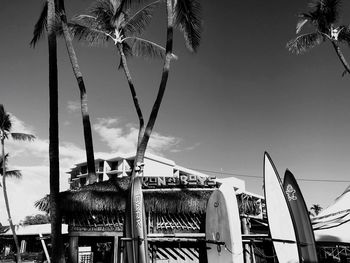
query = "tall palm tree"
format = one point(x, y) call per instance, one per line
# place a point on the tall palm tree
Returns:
point(109, 21)
point(5, 133)
point(323, 17)
point(57, 253)
point(105, 21)
point(183, 14)
point(39, 29)
point(14, 174)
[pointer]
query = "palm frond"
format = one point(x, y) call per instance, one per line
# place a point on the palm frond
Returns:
point(5, 121)
point(138, 22)
point(43, 204)
point(22, 136)
point(303, 43)
point(14, 174)
point(188, 20)
point(92, 36)
point(249, 205)
point(344, 34)
point(300, 24)
point(9, 173)
point(325, 13)
point(40, 26)
point(127, 4)
point(148, 49)
point(1, 161)
point(330, 9)
point(93, 22)
point(103, 11)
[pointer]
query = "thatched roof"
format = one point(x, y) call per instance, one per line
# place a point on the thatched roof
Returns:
point(110, 197)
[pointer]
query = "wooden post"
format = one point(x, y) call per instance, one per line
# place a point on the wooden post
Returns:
point(154, 253)
point(245, 231)
point(116, 250)
point(45, 248)
point(252, 252)
point(119, 250)
point(73, 249)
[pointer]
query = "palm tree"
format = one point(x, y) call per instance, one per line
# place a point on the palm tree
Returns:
point(56, 217)
point(5, 133)
point(109, 21)
point(316, 208)
point(15, 174)
point(186, 14)
point(323, 17)
point(106, 21)
point(39, 29)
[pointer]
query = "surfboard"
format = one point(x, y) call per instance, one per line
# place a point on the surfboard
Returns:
point(304, 231)
point(281, 224)
point(223, 227)
point(139, 247)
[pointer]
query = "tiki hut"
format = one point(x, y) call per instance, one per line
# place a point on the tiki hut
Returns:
point(175, 201)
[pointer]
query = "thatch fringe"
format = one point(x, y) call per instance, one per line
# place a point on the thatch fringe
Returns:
point(110, 197)
point(163, 202)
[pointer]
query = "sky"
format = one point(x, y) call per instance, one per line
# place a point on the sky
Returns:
point(240, 95)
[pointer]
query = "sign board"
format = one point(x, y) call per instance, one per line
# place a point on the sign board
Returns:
point(181, 181)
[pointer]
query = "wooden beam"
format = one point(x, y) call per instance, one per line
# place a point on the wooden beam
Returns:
point(94, 234)
point(178, 190)
point(176, 235)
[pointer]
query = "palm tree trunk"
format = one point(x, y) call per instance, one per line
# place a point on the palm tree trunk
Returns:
point(56, 218)
point(341, 56)
point(133, 92)
point(166, 67)
point(7, 204)
point(132, 248)
point(89, 149)
point(137, 217)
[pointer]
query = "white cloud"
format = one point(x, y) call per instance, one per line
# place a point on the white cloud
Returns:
point(188, 148)
point(122, 139)
point(19, 126)
point(24, 192)
point(73, 106)
point(32, 158)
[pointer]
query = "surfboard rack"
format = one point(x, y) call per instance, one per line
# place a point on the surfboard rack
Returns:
point(209, 241)
point(130, 239)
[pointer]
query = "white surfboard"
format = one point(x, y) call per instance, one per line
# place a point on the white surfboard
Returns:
point(138, 223)
point(278, 214)
point(223, 227)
